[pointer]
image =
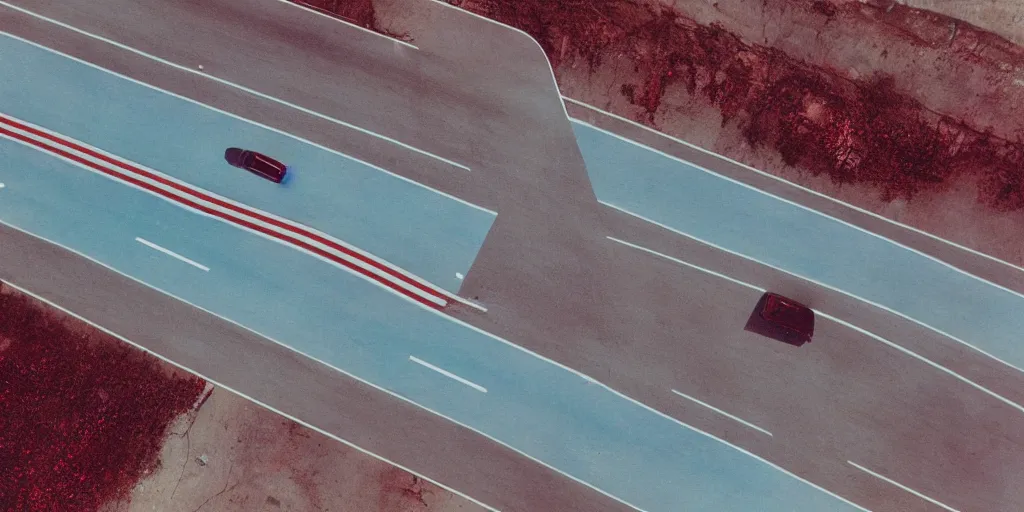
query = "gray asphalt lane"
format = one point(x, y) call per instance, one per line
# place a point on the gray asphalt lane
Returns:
point(327, 313)
point(804, 242)
point(526, 174)
point(397, 84)
point(257, 367)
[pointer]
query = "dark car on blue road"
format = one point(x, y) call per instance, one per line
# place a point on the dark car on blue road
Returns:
point(256, 163)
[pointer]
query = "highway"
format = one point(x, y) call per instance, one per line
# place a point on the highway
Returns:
point(246, 363)
point(416, 228)
point(527, 403)
point(800, 241)
point(555, 283)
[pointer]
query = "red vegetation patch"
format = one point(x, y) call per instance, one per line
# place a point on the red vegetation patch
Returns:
point(855, 131)
point(82, 415)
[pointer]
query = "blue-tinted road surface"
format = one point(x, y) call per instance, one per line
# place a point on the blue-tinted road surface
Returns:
point(537, 407)
point(422, 231)
point(803, 242)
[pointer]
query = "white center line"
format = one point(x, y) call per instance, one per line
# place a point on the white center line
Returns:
point(901, 486)
point(171, 253)
point(723, 413)
point(2, 185)
point(448, 374)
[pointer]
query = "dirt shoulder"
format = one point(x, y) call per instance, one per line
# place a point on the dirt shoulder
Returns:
point(1003, 17)
point(233, 455)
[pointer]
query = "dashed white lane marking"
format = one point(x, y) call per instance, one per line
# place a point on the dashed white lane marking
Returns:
point(448, 374)
point(278, 229)
point(172, 254)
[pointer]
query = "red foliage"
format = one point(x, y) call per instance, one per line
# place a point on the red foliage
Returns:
point(82, 416)
point(860, 132)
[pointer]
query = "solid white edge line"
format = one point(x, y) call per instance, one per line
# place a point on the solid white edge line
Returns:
point(171, 253)
point(779, 179)
point(243, 395)
point(235, 215)
point(375, 386)
point(470, 303)
point(448, 374)
point(207, 75)
point(723, 413)
point(551, 70)
point(686, 263)
point(844, 323)
point(901, 486)
point(925, 360)
point(348, 24)
point(818, 283)
point(472, 429)
point(234, 225)
point(809, 209)
point(219, 111)
point(562, 98)
point(640, 404)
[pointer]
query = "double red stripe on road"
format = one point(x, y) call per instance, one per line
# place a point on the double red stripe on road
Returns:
point(381, 273)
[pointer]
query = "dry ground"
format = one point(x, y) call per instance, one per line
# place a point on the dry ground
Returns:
point(987, 94)
point(234, 456)
point(228, 454)
point(1003, 17)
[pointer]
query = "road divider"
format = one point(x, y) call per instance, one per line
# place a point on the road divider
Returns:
point(279, 229)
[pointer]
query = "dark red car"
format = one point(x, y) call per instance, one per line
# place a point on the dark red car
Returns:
point(256, 163)
point(795, 320)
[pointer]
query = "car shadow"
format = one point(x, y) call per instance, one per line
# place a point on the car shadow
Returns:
point(758, 325)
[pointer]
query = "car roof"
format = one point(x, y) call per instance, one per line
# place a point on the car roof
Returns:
point(267, 162)
point(789, 313)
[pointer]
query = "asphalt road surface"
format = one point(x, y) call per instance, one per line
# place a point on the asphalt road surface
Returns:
point(238, 359)
point(517, 398)
point(553, 282)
